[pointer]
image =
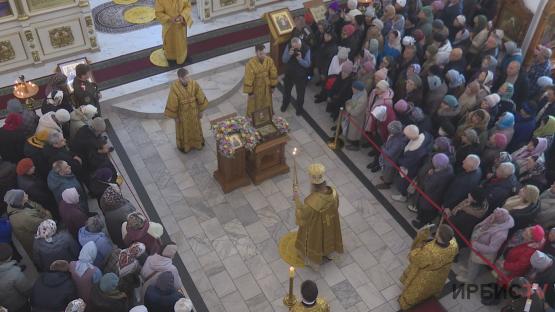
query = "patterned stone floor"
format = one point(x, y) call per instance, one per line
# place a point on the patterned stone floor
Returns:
point(228, 242)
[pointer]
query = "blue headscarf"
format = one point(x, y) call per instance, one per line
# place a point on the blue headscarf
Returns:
point(506, 121)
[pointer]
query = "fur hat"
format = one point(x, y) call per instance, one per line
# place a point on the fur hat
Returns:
point(412, 132)
point(62, 115)
point(183, 305)
point(401, 106)
point(316, 173)
point(89, 110)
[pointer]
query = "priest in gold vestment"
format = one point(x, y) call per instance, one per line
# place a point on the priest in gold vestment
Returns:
point(319, 233)
point(429, 266)
point(310, 301)
point(260, 80)
point(175, 17)
point(185, 105)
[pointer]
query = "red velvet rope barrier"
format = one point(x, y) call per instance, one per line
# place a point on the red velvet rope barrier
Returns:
point(501, 275)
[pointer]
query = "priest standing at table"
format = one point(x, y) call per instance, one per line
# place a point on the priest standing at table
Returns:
point(260, 80)
point(175, 17)
point(319, 234)
point(185, 104)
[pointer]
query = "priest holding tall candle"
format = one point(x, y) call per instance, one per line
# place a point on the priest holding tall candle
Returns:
point(319, 233)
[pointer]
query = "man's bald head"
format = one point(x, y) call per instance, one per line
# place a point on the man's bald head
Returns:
point(456, 54)
point(471, 163)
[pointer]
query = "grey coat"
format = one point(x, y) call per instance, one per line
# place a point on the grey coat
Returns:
point(15, 288)
point(356, 108)
point(62, 247)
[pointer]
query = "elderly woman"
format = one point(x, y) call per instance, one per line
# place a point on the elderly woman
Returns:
point(129, 267)
point(84, 273)
point(57, 149)
point(469, 99)
point(535, 148)
point(25, 217)
point(37, 189)
point(505, 124)
point(523, 206)
point(433, 185)
point(437, 89)
point(455, 82)
point(162, 295)
point(159, 263)
point(106, 297)
point(334, 69)
point(391, 151)
point(72, 215)
point(506, 104)
point(546, 128)
point(341, 91)
point(57, 94)
point(470, 144)
point(53, 289)
point(546, 216)
point(477, 120)
point(465, 215)
point(93, 232)
point(77, 305)
point(116, 208)
point(81, 116)
point(51, 245)
point(392, 46)
point(487, 238)
point(448, 112)
point(139, 229)
point(366, 75)
point(355, 109)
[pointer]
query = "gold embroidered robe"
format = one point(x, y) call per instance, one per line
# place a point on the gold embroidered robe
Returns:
point(184, 105)
point(427, 272)
point(320, 306)
point(319, 231)
point(174, 35)
point(259, 79)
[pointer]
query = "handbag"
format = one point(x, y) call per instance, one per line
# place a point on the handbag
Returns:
point(329, 83)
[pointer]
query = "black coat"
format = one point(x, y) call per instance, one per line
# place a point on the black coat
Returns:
point(434, 186)
point(159, 301)
point(462, 184)
point(53, 154)
point(103, 302)
point(499, 190)
point(525, 217)
point(37, 190)
point(11, 145)
point(521, 87)
point(52, 292)
point(8, 181)
point(39, 160)
point(463, 151)
point(114, 218)
point(324, 54)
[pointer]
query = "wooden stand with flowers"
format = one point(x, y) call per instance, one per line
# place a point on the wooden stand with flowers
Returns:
point(231, 172)
point(267, 160)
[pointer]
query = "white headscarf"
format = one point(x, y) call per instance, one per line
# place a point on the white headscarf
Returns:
point(46, 230)
point(86, 258)
point(70, 196)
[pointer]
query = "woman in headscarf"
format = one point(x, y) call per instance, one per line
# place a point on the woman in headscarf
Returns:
point(447, 115)
point(506, 92)
point(334, 70)
point(57, 94)
point(546, 216)
point(81, 116)
point(12, 138)
point(159, 263)
point(391, 151)
point(341, 90)
point(546, 128)
point(348, 40)
point(382, 95)
point(51, 245)
point(525, 123)
point(375, 39)
point(478, 35)
point(412, 90)
point(436, 90)
point(355, 109)
point(71, 213)
point(535, 148)
point(479, 121)
point(162, 296)
point(115, 208)
point(77, 305)
point(455, 82)
point(392, 46)
point(129, 265)
point(523, 206)
point(534, 172)
point(435, 183)
point(93, 232)
point(505, 124)
point(139, 229)
point(100, 181)
point(485, 79)
point(30, 182)
point(468, 100)
point(465, 215)
point(84, 273)
point(496, 144)
point(326, 51)
point(470, 144)
point(366, 75)
point(25, 217)
point(430, 59)
point(487, 238)
point(106, 297)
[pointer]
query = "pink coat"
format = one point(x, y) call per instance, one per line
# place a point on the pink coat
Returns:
point(375, 100)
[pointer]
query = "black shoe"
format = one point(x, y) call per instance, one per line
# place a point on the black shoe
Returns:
point(372, 153)
point(375, 169)
point(283, 108)
point(383, 186)
point(417, 224)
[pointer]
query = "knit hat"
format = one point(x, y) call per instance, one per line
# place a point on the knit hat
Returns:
point(418, 35)
point(358, 85)
point(461, 19)
point(472, 136)
point(440, 160)
point(23, 166)
point(434, 82)
point(378, 23)
point(509, 91)
point(349, 29)
point(408, 41)
point(334, 5)
point(183, 305)
point(6, 252)
point(401, 106)
point(545, 51)
point(545, 81)
point(370, 12)
point(316, 173)
point(89, 110)
point(500, 140)
point(368, 66)
point(450, 100)
point(442, 144)
point(70, 196)
point(77, 305)
point(140, 308)
point(109, 282)
point(14, 197)
point(506, 121)
point(510, 47)
point(98, 124)
point(379, 112)
point(540, 261)
point(14, 106)
point(347, 68)
point(537, 232)
point(136, 220)
point(62, 115)
point(103, 174)
point(412, 132)
point(438, 24)
point(343, 53)
point(169, 250)
point(165, 281)
point(381, 74)
point(395, 127)
point(417, 114)
point(492, 99)
point(13, 122)
point(382, 85)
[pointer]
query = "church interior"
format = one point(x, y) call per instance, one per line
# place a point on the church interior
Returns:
point(154, 156)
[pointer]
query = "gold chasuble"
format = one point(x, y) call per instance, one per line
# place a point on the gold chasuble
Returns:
point(185, 105)
point(174, 34)
point(260, 77)
point(320, 306)
point(319, 229)
point(427, 271)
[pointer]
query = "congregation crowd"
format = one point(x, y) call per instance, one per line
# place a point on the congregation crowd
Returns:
point(53, 165)
point(448, 101)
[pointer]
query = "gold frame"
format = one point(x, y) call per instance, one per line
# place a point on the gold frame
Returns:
point(261, 117)
point(548, 15)
point(47, 4)
point(235, 140)
point(318, 13)
point(513, 18)
point(68, 69)
point(282, 20)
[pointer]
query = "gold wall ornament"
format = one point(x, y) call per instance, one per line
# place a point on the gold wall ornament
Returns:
point(88, 21)
point(225, 3)
point(29, 36)
point(7, 52)
point(93, 41)
point(207, 13)
point(21, 15)
point(61, 37)
point(83, 3)
point(36, 56)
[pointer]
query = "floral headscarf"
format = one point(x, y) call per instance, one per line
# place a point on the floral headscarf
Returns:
point(136, 220)
point(77, 305)
point(127, 260)
point(46, 230)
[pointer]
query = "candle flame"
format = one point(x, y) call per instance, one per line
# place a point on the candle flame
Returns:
point(294, 151)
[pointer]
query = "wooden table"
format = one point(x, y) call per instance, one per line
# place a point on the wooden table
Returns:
point(267, 160)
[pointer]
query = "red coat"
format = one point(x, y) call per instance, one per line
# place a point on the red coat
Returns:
point(381, 126)
point(372, 124)
point(517, 260)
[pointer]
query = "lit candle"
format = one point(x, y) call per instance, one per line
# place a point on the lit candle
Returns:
point(295, 178)
point(291, 278)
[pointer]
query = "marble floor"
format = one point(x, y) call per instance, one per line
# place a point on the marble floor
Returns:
point(110, 44)
point(228, 242)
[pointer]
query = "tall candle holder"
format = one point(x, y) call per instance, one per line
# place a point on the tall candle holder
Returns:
point(290, 300)
point(295, 177)
point(25, 90)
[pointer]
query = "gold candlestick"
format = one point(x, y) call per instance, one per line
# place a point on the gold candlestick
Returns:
point(295, 177)
point(290, 300)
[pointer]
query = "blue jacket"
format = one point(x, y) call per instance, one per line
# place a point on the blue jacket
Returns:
point(103, 245)
point(524, 127)
point(5, 231)
point(160, 301)
point(57, 184)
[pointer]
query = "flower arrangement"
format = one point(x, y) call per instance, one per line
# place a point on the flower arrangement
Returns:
point(236, 125)
point(281, 124)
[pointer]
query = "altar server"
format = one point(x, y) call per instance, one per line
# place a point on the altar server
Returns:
point(260, 80)
point(175, 17)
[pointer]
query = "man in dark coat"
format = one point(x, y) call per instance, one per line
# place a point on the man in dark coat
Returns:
point(519, 79)
point(54, 289)
point(56, 150)
point(464, 182)
point(162, 296)
point(33, 149)
point(12, 138)
point(8, 181)
point(61, 178)
point(34, 187)
point(501, 186)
